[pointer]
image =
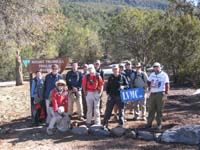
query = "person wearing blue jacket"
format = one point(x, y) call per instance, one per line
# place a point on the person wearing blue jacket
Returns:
point(74, 82)
point(49, 84)
point(37, 98)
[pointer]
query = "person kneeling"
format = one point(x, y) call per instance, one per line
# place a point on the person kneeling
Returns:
point(60, 108)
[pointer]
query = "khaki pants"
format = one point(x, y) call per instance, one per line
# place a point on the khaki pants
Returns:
point(156, 105)
point(49, 111)
point(140, 106)
point(93, 102)
point(77, 98)
point(57, 118)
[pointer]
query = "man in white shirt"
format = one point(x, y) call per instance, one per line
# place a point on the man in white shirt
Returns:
point(158, 83)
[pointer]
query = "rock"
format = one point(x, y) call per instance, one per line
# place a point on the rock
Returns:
point(118, 131)
point(98, 130)
point(157, 137)
point(82, 130)
point(145, 135)
point(188, 134)
point(131, 134)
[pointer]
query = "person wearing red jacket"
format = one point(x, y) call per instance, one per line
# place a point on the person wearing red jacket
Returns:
point(59, 102)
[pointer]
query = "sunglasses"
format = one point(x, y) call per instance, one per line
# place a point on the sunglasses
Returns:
point(54, 68)
point(155, 66)
point(61, 85)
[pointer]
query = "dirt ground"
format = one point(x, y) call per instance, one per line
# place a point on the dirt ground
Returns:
point(18, 132)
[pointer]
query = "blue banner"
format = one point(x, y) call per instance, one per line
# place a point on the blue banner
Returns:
point(131, 95)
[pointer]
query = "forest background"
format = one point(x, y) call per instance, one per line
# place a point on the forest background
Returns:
point(144, 31)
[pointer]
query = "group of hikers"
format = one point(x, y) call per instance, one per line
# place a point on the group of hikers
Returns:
point(53, 98)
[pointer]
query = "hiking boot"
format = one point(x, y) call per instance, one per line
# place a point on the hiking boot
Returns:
point(49, 131)
point(81, 118)
point(121, 122)
point(147, 126)
point(159, 127)
point(88, 125)
point(144, 119)
point(134, 119)
point(105, 128)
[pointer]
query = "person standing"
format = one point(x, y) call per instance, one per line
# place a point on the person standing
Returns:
point(158, 83)
point(128, 71)
point(74, 81)
point(139, 80)
point(116, 82)
point(93, 88)
point(37, 98)
point(101, 73)
point(115, 109)
point(85, 72)
point(49, 84)
point(60, 107)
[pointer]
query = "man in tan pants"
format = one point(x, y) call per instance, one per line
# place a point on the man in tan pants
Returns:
point(74, 80)
point(139, 80)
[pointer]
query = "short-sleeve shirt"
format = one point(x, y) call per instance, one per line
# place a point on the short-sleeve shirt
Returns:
point(92, 82)
point(158, 81)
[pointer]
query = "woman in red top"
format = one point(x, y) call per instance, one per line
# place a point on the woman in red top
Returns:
point(93, 88)
point(59, 103)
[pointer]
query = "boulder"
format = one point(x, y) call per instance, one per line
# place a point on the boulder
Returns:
point(118, 131)
point(131, 134)
point(188, 134)
point(82, 130)
point(145, 135)
point(98, 130)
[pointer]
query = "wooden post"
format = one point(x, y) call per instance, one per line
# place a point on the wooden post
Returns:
point(32, 100)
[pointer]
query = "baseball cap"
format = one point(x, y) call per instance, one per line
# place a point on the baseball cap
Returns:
point(156, 64)
point(128, 63)
point(115, 66)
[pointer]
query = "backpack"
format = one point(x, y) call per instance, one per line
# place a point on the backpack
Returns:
point(88, 78)
point(135, 75)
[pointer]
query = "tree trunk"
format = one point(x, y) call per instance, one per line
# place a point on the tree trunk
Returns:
point(19, 74)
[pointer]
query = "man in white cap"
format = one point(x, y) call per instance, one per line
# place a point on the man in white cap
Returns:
point(158, 83)
point(116, 82)
point(139, 80)
point(93, 88)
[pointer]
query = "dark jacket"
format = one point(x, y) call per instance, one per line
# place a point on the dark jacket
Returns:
point(114, 84)
point(49, 83)
point(100, 72)
point(128, 73)
point(74, 79)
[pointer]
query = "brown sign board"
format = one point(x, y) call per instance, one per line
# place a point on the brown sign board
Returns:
point(44, 65)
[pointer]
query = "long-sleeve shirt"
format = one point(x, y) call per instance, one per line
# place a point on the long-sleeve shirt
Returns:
point(59, 99)
point(37, 87)
point(49, 83)
point(115, 83)
point(74, 79)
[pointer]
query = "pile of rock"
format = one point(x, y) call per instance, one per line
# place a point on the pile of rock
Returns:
point(188, 134)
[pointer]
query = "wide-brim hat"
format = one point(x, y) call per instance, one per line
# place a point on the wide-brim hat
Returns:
point(61, 81)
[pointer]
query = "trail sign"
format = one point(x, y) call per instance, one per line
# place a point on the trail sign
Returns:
point(44, 65)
